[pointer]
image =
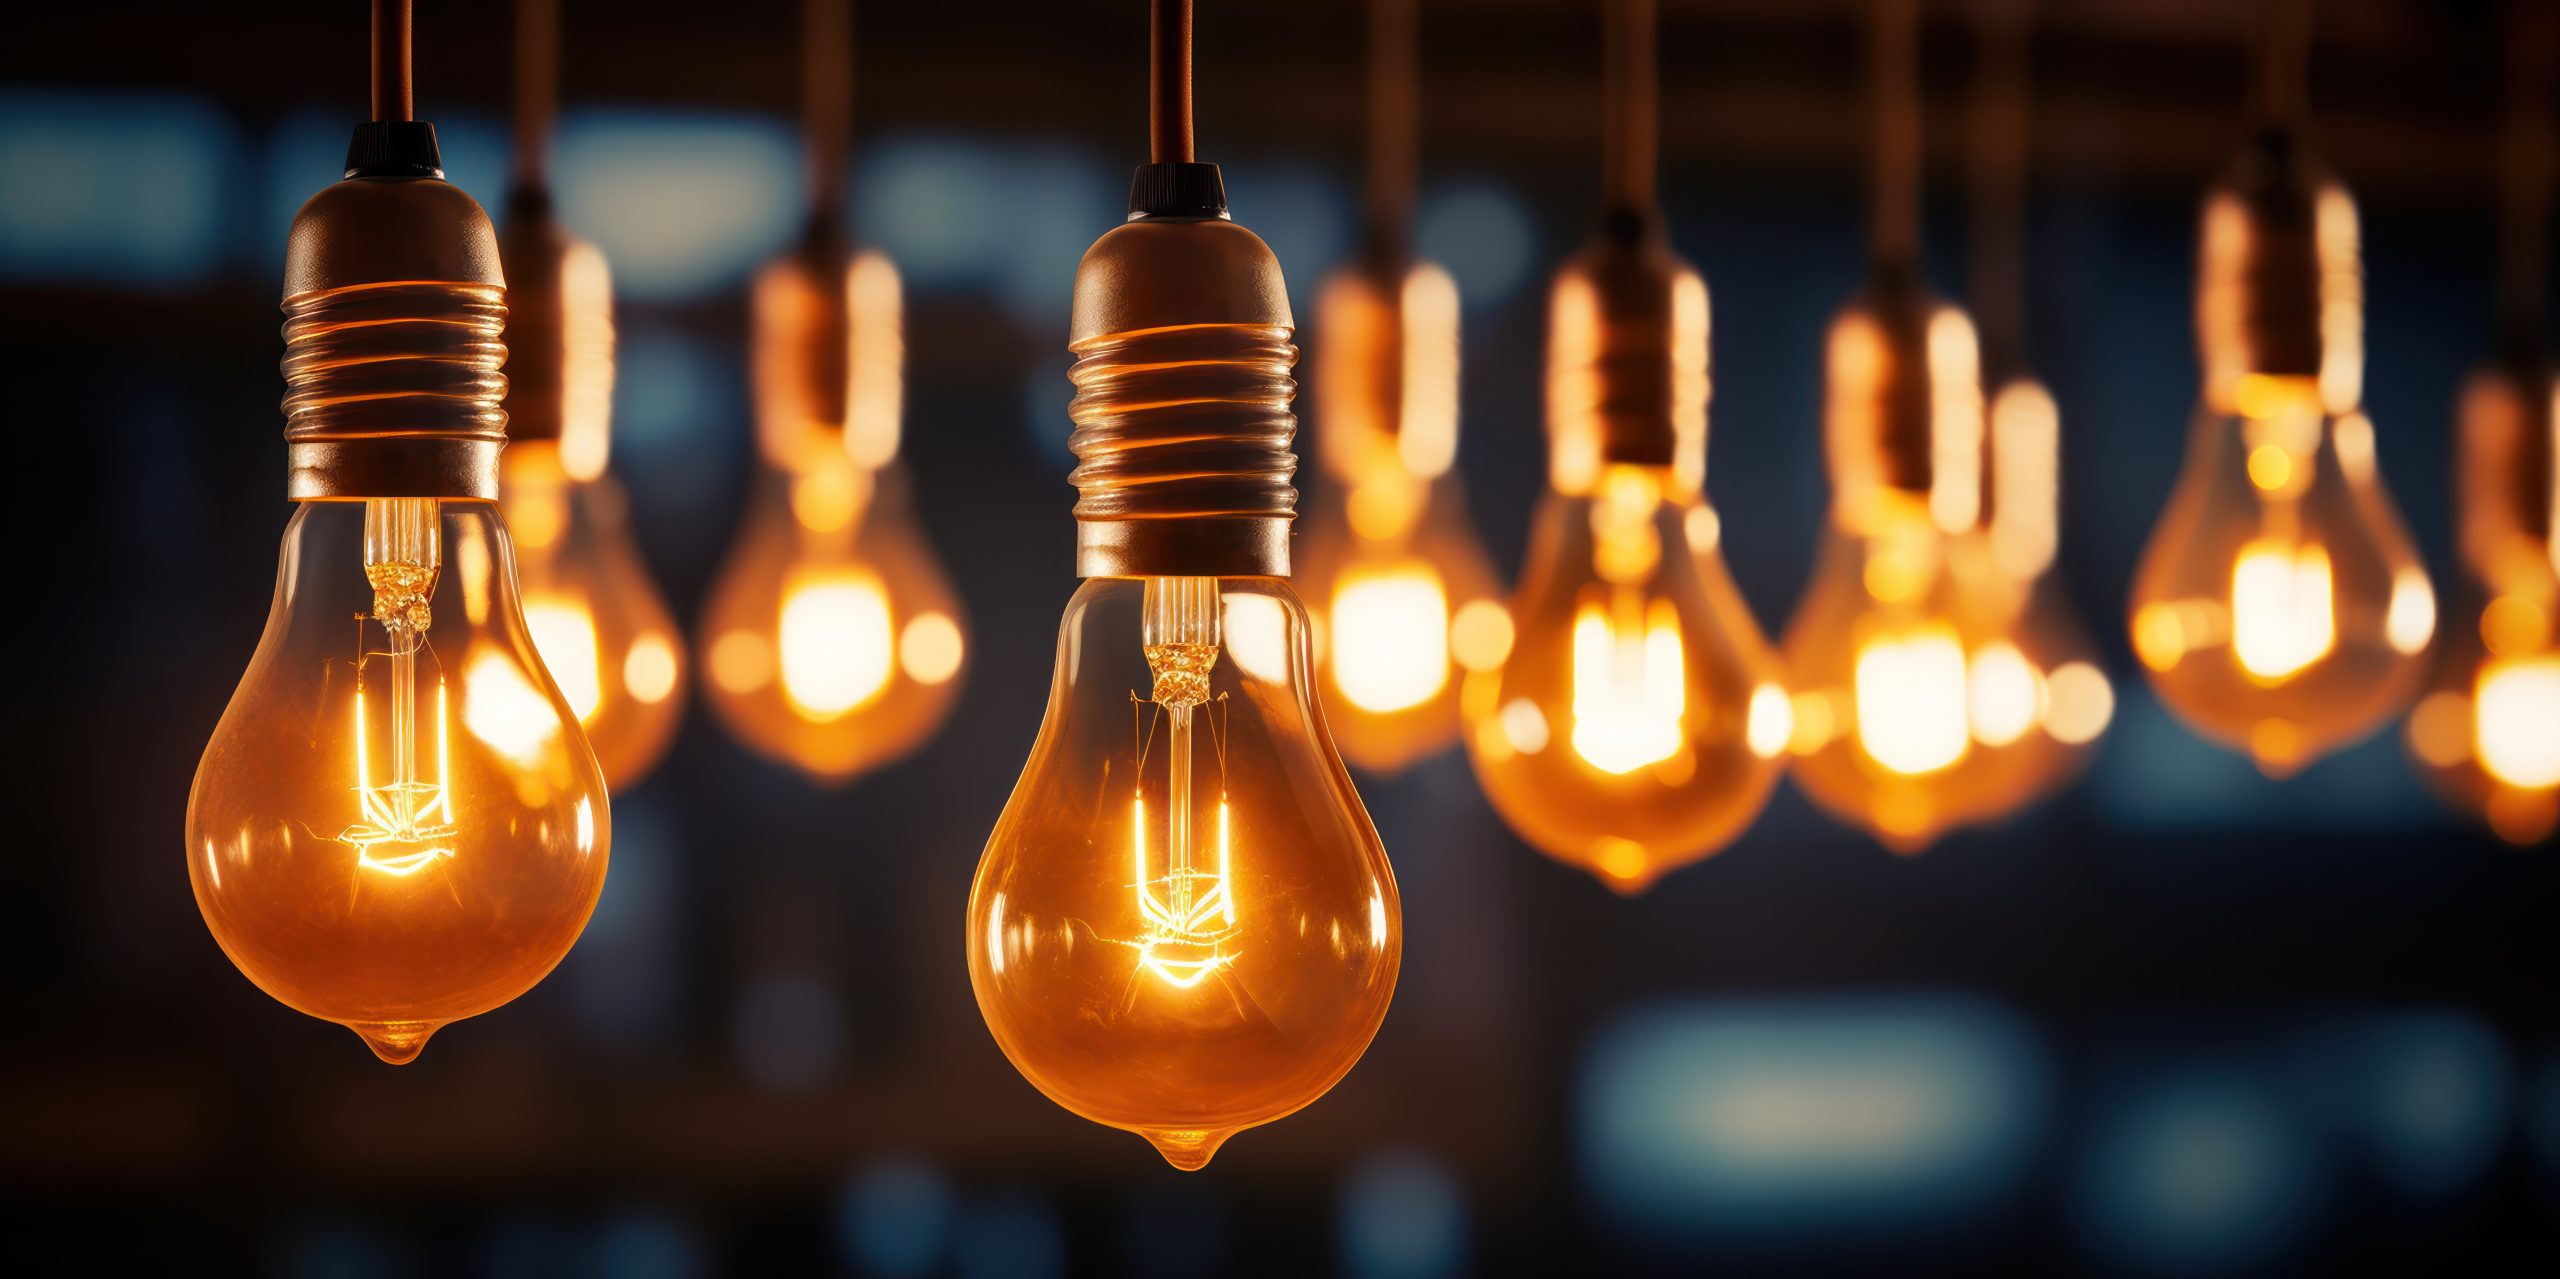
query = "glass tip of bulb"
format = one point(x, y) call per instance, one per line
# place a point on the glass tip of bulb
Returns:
point(397, 1043)
point(1188, 1149)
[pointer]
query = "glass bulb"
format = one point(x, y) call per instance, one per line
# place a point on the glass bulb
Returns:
point(603, 629)
point(1638, 722)
point(2279, 608)
point(1405, 599)
point(1184, 924)
point(398, 823)
point(832, 640)
point(2487, 733)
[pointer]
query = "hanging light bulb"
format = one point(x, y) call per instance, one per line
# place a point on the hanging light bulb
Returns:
point(1638, 722)
point(2279, 607)
point(2487, 734)
point(398, 823)
point(1935, 679)
point(1184, 924)
point(831, 640)
point(1404, 599)
point(596, 615)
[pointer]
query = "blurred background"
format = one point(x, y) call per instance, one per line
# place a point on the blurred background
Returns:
point(2178, 1019)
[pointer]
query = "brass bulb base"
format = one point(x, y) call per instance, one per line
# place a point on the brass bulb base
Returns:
point(395, 307)
point(2280, 281)
point(1627, 359)
point(1182, 411)
point(1902, 406)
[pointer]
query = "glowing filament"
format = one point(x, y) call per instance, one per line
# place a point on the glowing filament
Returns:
point(565, 634)
point(1188, 911)
point(1390, 645)
point(1911, 692)
point(414, 817)
point(2282, 617)
point(1630, 683)
point(2516, 719)
point(837, 647)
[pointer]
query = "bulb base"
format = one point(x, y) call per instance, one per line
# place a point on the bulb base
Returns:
point(1627, 359)
point(2280, 277)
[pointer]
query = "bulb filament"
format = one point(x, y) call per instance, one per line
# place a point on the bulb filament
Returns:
point(1189, 913)
point(1630, 683)
point(407, 823)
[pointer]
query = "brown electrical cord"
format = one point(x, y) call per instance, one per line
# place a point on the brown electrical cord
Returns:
point(826, 85)
point(392, 98)
point(1630, 124)
point(537, 88)
point(1169, 91)
point(1895, 230)
point(1997, 288)
point(2525, 173)
point(2284, 53)
point(1393, 91)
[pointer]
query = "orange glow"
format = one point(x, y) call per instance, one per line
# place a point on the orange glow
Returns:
point(378, 839)
point(1183, 925)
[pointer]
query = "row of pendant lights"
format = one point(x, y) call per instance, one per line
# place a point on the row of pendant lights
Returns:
point(1184, 923)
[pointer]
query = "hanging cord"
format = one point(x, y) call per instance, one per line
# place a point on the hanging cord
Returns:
point(1393, 76)
point(1895, 232)
point(392, 96)
point(2000, 150)
point(1169, 81)
point(537, 89)
point(1630, 123)
point(2284, 55)
point(826, 87)
point(2525, 177)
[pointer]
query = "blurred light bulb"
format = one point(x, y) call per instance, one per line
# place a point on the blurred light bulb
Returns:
point(1391, 560)
point(1636, 723)
point(596, 614)
point(398, 822)
point(1184, 924)
point(2487, 733)
point(1938, 678)
point(832, 641)
point(2279, 608)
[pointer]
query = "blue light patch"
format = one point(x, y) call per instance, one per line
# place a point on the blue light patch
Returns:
point(2197, 1171)
point(126, 189)
point(1402, 1216)
point(2427, 1094)
point(2157, 774)
point(644, 1244)
point(1009, 1236)
point(895, 1218)
point(682, 204)
point(1774, 1117)
point(1482, 233)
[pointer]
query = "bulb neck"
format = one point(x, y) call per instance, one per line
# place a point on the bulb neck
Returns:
point(1183, 427)
point(395, 306)
point(2280, 278)
point(1627, 358)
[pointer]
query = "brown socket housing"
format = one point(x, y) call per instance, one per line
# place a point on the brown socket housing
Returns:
point(2273, 272)
point(1627, 358)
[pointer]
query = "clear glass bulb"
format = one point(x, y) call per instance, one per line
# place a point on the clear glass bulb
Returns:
point(2279, 608)
point(398, 823)
point(1638, 722)
point(2487, 733)
point(831, 641)
point(1405, 600)
point(1184, 925)
point(595, 612)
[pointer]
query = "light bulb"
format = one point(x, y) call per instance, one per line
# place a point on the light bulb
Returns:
point(1405, 599)
point(1936, 678)
point(831, 641)
point(596, 614)
point(397, 823)
point(1638, 721)
point(2487, 733)
point(1184, 924)
point(2279, 608)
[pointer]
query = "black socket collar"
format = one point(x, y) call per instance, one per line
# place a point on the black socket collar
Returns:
point(1177, 189)
point(394, 149)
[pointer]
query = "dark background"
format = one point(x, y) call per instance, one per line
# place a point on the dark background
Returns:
point(2179, 1018)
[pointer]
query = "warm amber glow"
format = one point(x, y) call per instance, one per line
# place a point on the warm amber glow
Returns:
point(876, 356)
point(2512, 626)
point(2282, 615)
point(2026, 477)
point(1630, 685)
point(2080, 703)
point(1771, 723)
point(929, 649)
point(2004, 694)
point(1184, 925)
point(1390, 635)
point(1911, 699)
point(835, 642)
point(2518, 721)
point(379, 839)
point(1480, 634)
point(566, 634)
point(650, 670)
